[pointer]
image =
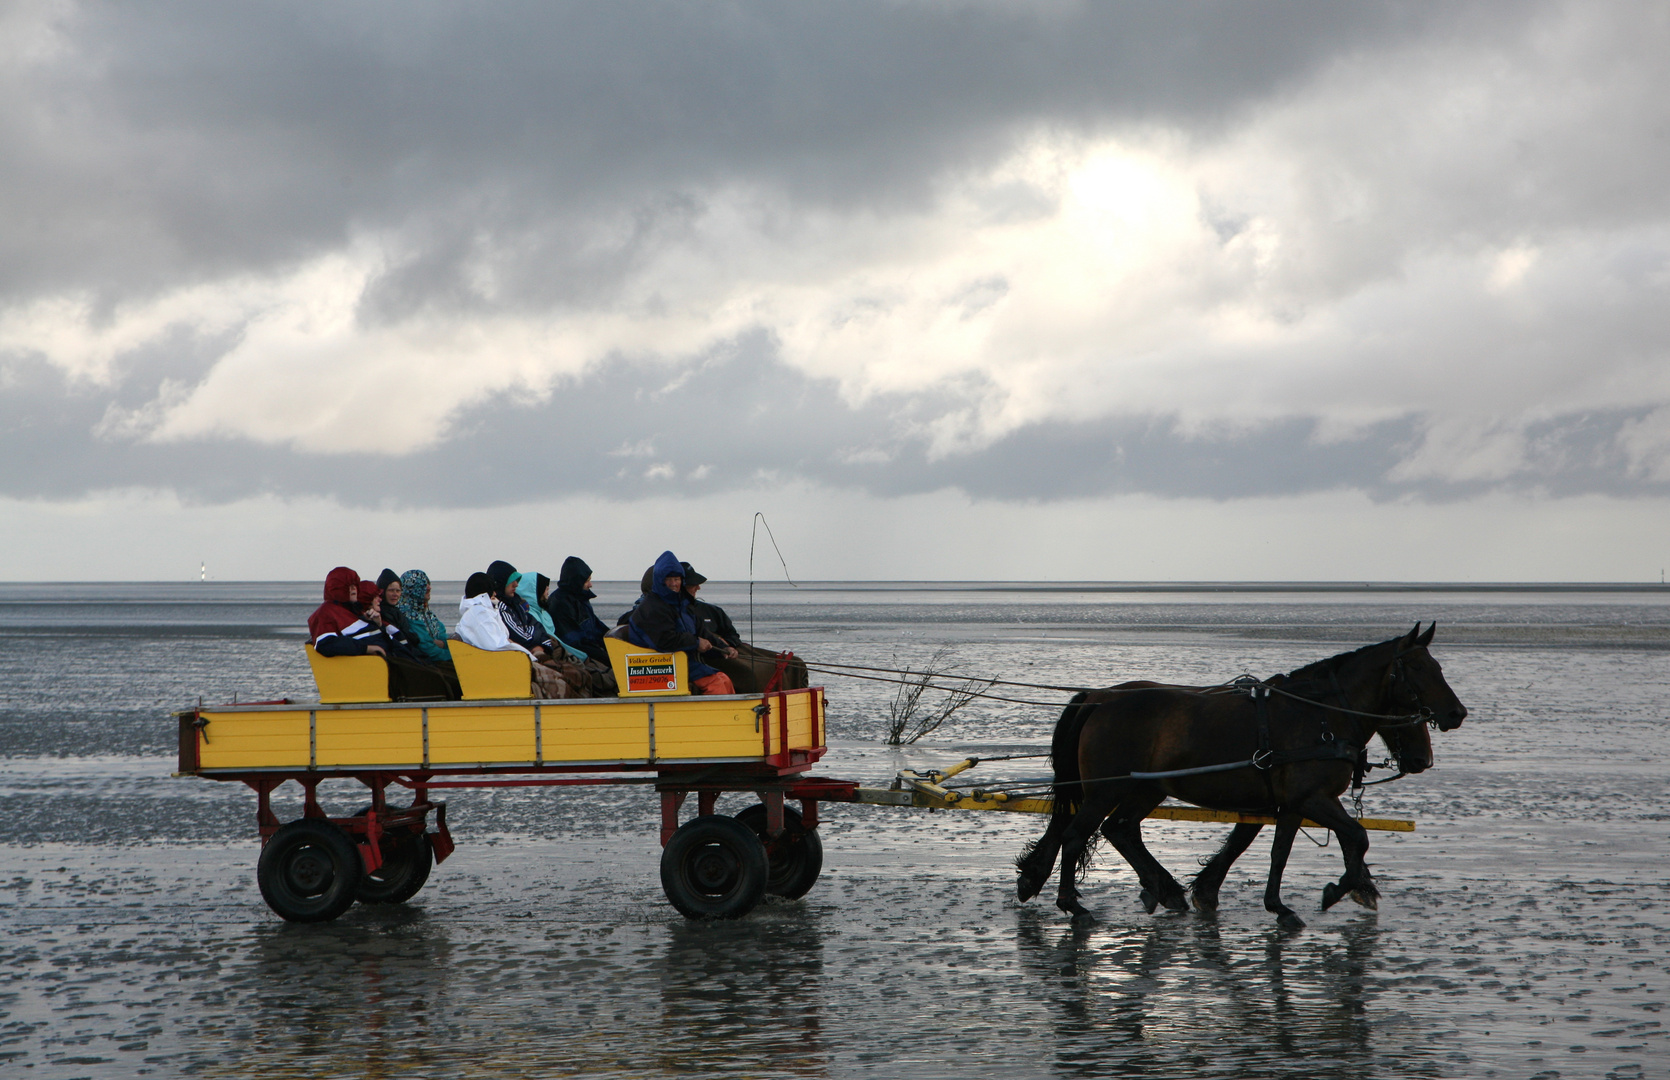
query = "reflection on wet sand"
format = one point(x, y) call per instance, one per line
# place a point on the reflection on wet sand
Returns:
point(744, 996)
point(1176, 994)
point(354, 997)
point(389, 993)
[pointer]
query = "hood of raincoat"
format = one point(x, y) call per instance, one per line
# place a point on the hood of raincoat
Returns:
point(384, 578)
point(499, 572)
point(338, 582)
point(665, 566)
point(532, 600)
point(572, 580)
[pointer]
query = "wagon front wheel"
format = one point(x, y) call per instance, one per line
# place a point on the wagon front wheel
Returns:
point(796, 857)
point(309, 871)
point(714, 867)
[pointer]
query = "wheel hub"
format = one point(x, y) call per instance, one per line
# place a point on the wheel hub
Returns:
point(309, 871)
point(714, 869)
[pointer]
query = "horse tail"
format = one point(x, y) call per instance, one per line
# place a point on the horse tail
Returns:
point(1064, 753)
point(1064, 757)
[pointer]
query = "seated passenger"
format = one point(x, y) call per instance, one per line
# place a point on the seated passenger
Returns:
point(425, 632)
point(596, 676)
point(569, 606)
point(336, 627)
point(524, 629)
point(751, 668)
point(388, 586)
point(481, 623)
point(662, 621)
point(533, 596)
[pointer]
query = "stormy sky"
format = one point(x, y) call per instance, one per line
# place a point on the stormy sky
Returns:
point(946, 289)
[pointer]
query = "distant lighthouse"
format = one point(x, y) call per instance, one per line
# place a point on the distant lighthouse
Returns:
point(203, 571)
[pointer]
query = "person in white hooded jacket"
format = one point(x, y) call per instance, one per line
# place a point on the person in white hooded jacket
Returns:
point(481, 624)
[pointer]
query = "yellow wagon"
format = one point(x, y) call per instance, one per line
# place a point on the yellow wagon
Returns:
point(316, 867)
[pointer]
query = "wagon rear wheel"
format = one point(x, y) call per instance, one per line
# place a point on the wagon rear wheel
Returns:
point(796, 857)
point(407, 859)
point(714, 867)
point(309, 871)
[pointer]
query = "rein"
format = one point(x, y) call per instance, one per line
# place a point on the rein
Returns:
point(1247, 683)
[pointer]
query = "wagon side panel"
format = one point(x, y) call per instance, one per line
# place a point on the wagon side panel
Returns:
point(254, 740)
point(369, 737)
point(696, 729)
point(606, 731)
point(481, 734)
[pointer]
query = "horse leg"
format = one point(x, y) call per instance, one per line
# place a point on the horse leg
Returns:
point(1353, 842)
point(1204, 887)
point(1037, 861)
point(1124, 828)
point(1075, 851)
point(1287, 827)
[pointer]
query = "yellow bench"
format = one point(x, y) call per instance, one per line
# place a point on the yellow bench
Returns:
point(491, 676)
point(349, 678)
point(641, 672)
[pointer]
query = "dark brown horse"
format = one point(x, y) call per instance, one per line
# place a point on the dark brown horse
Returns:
point(1287, 747)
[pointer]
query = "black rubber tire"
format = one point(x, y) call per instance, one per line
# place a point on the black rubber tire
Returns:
point(309, 871)
point(407, 860)
point(796, 857)
point(714, 867)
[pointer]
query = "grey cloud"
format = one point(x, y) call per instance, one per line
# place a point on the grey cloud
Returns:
point(186, 141)
point(739, 417)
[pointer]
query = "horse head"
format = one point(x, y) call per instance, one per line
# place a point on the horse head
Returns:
point(1415, 684)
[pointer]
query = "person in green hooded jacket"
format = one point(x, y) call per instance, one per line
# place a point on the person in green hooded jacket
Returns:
point(425, 633)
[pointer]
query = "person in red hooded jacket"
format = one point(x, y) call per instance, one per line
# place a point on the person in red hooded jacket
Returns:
point(338, 626)
point(347, 624)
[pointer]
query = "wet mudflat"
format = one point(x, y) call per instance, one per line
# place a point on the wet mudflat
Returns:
point(1522, 933)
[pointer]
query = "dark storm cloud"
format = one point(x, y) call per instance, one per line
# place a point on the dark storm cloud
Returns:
point(537, 158)
point(176, 142)
point(740, 418)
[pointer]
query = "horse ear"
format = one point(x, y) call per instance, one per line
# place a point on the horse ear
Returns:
point(1407, 641)
point(1426, 638)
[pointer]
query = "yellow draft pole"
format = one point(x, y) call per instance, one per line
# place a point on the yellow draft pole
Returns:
point(916, 789)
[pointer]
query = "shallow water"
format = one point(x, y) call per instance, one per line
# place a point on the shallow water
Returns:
point(1522, 932)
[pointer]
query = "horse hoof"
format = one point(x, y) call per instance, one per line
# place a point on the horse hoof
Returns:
point(1149, 901)
point(1331, 895)
point(1079, 913)
point(1177, 903)
point(1289, 921)
point(1026, 888)
point(1205, 903)
point(1367, 898)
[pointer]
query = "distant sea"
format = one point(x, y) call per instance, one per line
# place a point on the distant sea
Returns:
point(90, 668)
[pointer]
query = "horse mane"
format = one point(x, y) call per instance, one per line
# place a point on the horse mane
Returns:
point(1332, 663)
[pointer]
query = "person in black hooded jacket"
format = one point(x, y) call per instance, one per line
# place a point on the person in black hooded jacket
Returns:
point(569, 605)
point(751, 668)
point(390, 608)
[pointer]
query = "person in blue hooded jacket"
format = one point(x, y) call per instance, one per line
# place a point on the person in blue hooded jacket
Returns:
point(662, 621)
